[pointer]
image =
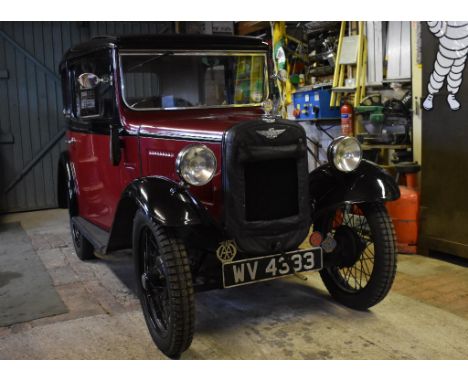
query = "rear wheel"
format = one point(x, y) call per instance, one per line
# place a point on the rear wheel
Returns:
point(367, 254)
point(83, 248)
point(164, 283)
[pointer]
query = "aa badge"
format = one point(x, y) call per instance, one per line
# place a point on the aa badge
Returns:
point(226, 251)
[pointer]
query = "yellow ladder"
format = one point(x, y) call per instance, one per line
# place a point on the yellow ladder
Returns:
point(351, 58)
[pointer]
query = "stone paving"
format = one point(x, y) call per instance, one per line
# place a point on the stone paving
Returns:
point(436, 282)
point(424, 317)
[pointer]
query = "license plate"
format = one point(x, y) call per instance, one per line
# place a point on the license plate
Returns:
point(248, 271)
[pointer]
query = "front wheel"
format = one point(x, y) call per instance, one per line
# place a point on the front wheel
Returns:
point(164, 284)
point(366, 252)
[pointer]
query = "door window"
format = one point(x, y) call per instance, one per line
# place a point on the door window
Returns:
point(97, 102)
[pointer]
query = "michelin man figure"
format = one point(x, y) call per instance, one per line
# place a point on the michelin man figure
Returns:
point(450, 61)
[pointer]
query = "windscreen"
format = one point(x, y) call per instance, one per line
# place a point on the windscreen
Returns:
point(167, 80)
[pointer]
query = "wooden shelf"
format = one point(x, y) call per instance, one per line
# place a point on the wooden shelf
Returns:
point(383, 146)
point(344, 89)
point(248, 27)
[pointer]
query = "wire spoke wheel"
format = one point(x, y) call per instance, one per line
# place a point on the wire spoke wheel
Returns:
point(366, 254)
point(83, 248)
point(356, 276)
point(164, 283)
point(77, 237)
point(154, 282)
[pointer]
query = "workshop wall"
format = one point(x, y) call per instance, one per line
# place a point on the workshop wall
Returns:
point(31, 103)
point(444, 137)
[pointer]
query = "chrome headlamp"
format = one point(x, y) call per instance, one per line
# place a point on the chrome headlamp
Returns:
point(196, 164)
point(345, 153)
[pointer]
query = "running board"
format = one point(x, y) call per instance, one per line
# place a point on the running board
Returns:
point(95, 235)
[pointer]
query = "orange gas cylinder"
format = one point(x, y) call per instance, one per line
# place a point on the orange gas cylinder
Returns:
point(405, 211)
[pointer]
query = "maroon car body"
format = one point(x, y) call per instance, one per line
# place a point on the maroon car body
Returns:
point(142, 109)
point(100, 185)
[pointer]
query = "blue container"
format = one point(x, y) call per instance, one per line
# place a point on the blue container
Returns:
point(314, 104)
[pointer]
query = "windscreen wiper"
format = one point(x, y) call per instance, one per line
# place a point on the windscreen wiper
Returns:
point(139, 65)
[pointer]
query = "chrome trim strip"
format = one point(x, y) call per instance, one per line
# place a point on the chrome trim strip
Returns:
point(193, 107)
point(195, 53)
point(183, 136)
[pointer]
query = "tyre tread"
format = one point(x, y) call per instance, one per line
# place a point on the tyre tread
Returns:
point(371, 294)
point(86, 252)
point(181, 292)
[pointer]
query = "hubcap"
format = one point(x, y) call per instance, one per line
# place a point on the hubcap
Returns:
point(350, 244)
point(352, 232)
point(144, 281)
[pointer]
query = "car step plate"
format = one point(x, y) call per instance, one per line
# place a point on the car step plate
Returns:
point(249, 271)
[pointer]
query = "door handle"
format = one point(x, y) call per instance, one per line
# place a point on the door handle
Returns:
point(70, 141)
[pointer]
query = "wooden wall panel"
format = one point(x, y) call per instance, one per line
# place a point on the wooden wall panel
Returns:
point(31, 101)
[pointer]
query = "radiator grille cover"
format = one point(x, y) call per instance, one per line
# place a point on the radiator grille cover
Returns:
point(271, 190)
point(266, 188)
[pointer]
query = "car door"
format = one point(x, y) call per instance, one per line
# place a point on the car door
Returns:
point(98, 181)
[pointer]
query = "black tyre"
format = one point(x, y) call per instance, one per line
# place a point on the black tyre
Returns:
point(164, 284)
point(83, 248)
point(367, 255)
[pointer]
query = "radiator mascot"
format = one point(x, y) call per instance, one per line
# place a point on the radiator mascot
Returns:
point(450, 61)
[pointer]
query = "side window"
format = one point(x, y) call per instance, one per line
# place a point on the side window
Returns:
point(96, 102)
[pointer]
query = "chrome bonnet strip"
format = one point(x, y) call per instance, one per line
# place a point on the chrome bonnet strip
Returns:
point(184, 136)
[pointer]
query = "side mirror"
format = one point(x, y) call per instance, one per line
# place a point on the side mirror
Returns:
point(88, 80)
point(91, 81)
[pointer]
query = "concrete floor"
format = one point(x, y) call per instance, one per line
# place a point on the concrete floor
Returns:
point(424, 317)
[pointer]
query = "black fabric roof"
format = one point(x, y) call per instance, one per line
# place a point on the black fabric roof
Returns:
point(167, 41)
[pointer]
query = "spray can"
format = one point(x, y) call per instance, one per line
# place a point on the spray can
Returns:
point(346, 112)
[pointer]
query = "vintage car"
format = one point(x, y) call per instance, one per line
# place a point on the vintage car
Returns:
point(175, 152)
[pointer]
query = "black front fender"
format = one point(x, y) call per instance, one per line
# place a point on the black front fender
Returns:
point(330, 188)
point(165, 201)
point(162, 200)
